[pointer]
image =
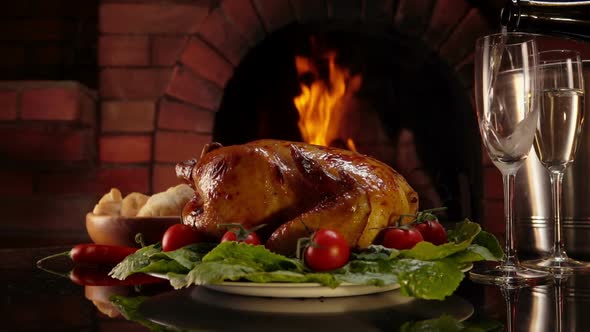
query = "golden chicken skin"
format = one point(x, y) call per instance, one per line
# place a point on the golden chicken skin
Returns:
point(293, 189)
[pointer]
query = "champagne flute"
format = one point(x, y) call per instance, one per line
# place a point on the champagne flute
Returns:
point(506, 94)
point(557, 138)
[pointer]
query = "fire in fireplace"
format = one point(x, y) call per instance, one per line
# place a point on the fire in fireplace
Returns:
point(378, 92)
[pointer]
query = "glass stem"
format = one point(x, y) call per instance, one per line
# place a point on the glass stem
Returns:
point(511, 299)
point(558, 287)
point(510, 250)
point(558, 245)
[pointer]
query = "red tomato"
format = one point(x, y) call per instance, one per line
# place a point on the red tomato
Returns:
point(328, 251)
point(432, 231)
point(178, 236)
point(401, 238)
point(231, 235)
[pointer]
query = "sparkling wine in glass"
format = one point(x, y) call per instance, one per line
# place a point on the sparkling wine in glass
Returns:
point(507, 100)
point(557, 138)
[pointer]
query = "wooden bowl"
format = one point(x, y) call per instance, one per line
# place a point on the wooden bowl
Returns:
point(121, 231)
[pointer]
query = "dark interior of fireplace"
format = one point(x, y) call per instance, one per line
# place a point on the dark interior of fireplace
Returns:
point(405, 86)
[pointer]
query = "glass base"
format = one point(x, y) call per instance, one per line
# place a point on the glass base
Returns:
point(509, 276)
point(559, 265)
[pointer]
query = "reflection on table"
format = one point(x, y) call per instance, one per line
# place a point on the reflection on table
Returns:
point(34, 300)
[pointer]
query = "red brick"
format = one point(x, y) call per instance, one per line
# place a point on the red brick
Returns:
point(197, 91)
point(445, 15)
point(8, 105)
point(151, 18)
point(16, 183)
point(274, 14)
point(164, 177)
point(461, 43)
point(224, 36)
point(166, 49)
point(493, 183)
point(97, 181)
point(50, 104)
point(176, 146)
point(41, 215)
point(127, 116)
point(88, 109)
point(27, 143)
point(242, 14)
point(125, 149)
point(206, 63)
point(123, 51)
point(177, 116)
point(54, 100)
point(126, 83)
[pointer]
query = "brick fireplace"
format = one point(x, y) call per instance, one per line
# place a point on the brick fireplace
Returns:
point(161, 71)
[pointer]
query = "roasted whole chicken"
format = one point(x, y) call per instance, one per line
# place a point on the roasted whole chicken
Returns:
point(294, 188)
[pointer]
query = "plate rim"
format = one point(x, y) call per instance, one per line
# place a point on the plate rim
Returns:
point(276, 284)
point(289, 284)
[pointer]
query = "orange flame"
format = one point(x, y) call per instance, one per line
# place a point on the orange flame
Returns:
point(351, 145)
point(319, 104)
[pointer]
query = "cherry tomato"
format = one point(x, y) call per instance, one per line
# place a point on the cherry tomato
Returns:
point(178, 236)
point(231, 235)
point(432, 231)
point(237, 232)
point(401, 238)
point(328, 251)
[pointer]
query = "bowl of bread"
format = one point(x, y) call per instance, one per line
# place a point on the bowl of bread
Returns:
point(117, 219)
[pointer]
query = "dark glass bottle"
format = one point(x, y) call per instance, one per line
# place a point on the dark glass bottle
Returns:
point(557, 17)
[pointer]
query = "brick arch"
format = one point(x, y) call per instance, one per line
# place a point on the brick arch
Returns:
point(232, 28)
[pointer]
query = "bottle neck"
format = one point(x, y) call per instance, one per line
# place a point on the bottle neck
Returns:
point(566, 18)
point(510, 15)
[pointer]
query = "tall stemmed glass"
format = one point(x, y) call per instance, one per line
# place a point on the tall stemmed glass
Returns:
point(557, 137)
point(506, 91)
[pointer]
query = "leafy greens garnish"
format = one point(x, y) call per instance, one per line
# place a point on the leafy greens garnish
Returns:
point(426, 271)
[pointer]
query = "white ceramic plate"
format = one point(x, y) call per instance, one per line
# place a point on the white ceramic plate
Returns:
point(297, 290)
point(300, 290)
point(292, 290)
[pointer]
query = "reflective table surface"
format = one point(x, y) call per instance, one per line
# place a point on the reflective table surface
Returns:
point(35, 300)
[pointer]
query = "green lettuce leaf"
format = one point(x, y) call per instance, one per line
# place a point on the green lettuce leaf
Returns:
point(473, 253)
point(152, 259)
point(367, 278)
point(431, 280)
point(325, 279)
point(135, 262)
point(490, 242)
point(187, 256)
point(444, 323)
point(129, 308)
point(459, 239)
point(425, 271)
point(376, 252)
point(211, 273)
point(257, 257)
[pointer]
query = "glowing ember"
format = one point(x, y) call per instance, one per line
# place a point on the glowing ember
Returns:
point(320, 103)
